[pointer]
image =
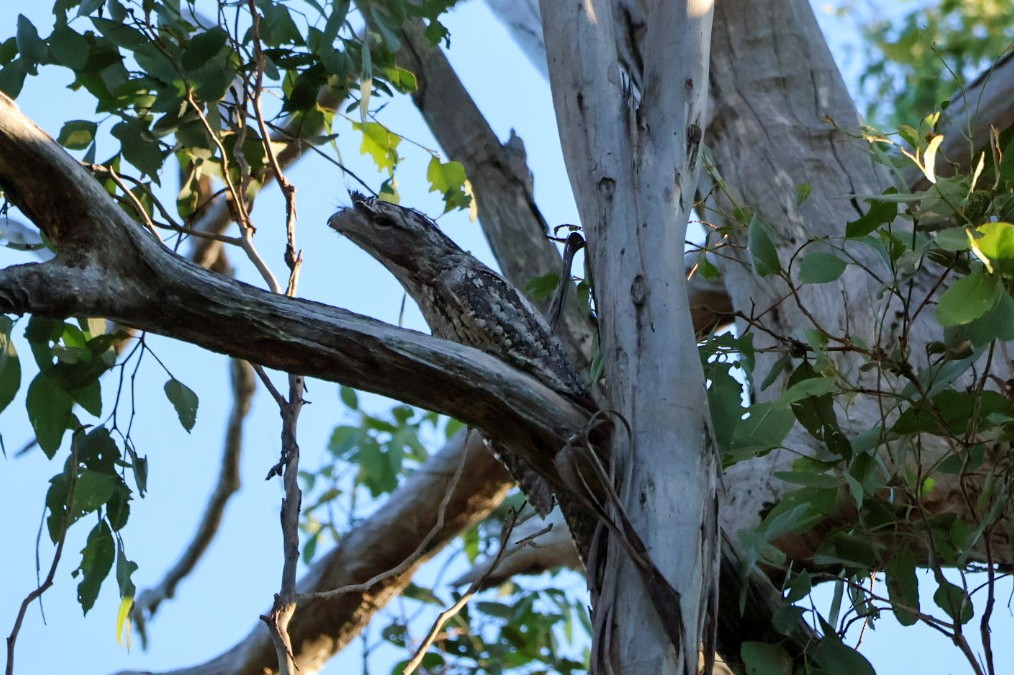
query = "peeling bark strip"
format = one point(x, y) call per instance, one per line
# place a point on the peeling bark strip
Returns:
point(634, 174)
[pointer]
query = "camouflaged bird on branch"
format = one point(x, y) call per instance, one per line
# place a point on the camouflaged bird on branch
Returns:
point(465, 301)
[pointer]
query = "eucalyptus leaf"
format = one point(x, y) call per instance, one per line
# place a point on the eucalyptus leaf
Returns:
point(821, 268)
point(184, 400)
point(969, 298)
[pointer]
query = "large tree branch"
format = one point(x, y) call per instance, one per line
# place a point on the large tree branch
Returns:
point(108, 266)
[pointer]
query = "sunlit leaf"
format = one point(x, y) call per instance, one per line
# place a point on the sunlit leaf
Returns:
point(968, 298)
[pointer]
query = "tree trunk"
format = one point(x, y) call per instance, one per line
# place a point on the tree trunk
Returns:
point(633, 169)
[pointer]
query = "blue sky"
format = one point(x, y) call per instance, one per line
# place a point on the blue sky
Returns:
point(222, 600)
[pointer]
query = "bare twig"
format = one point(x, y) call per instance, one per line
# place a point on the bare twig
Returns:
point(431, 637)
point(44, 586)
point(409, 561)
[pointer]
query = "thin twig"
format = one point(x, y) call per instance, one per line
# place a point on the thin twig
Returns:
point(442, 618)
point(132, 198)
point(419, 551)
point(44, 586)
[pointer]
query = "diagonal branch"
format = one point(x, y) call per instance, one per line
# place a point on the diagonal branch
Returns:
point(108, 266)
point(325, 624)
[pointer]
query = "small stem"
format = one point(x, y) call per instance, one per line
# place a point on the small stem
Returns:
point(44, 586)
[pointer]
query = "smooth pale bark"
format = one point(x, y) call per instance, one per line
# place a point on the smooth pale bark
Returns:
point(777, 91)
point(633, 171)
point(773, 79)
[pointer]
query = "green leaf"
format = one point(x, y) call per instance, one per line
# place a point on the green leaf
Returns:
point(764, 659)
point(89, 6)
point(762, 249)
point(764, 429)
point(343, 441)
point(401, 79)
point(202, 47)
point(820, 268)
point(903, 584)
point(541, 288)
point(120, 34)
point(277, 27)
point(955, 602)
point(805, 383)
point(118, 506)
point(800, 587)
point(12, 77)
point(77, 134)
point(803, 191)
point(996, 324)
point(31, 47)
point(809, 479)
point(880, 213)
point(789, 517)
point(968, 298)
point(124, 570)
point(348, 397)
point(952, 239)
point(449, 180)
point(69, 48)
point(184, 400)
point(89, 397)
point(96, 561)
point(339, 10)
point(725, 401)
point(139, 147)
point(380, 144)
point(49, 409)
point(10, 364)
point(92, 490)
point(997, 244)
point(837, 659)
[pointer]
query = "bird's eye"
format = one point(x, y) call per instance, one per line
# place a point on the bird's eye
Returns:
point(384, 221)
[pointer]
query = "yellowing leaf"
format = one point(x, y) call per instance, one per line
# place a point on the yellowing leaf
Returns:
point(930, 158)
point(365, 90)
point(380, 144)
point(124, 626)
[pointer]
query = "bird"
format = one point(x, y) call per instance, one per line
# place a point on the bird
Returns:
point(465, 301)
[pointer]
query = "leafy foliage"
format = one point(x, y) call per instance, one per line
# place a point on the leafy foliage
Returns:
point(918, 57)
point(866, 491)
point(171, 87)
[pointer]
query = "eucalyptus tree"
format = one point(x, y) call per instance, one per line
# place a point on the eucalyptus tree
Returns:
point(867, 278)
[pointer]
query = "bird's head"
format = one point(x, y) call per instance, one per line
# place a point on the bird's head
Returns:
point(403, 239)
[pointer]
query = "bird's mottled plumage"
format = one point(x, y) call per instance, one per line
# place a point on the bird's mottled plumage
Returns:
point(465, 301)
